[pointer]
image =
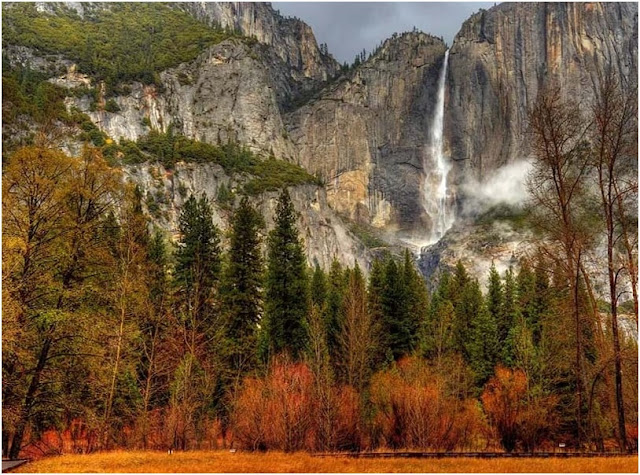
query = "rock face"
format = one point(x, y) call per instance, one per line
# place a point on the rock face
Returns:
point(477, 246)
point(325, 234)
point(230, 92)
point(502, 57)
point(365, 132)
point(291, 39)
point(367, 135)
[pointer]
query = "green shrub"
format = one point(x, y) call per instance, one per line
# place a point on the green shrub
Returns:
point(515, 215)
point(266, 174)
point(272, 174)
point(112, 106)
point(367, 235)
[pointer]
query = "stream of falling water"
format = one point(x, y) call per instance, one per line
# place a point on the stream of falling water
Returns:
point(436, 168)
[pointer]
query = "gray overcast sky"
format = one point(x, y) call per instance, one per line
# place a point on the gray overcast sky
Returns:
point(348, 27)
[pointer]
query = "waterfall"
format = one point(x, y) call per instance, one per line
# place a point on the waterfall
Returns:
point(436, 167)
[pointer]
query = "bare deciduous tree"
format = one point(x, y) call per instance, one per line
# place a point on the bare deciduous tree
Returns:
point(615, 150)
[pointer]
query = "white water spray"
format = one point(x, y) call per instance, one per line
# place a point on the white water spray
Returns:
point(436, 168)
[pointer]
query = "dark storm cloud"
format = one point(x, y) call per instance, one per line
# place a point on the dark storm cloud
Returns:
point(348, 27)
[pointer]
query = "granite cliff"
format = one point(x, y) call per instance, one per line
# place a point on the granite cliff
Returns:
point(502, 57)
point(364, 131)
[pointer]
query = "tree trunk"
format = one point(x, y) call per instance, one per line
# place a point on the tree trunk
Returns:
point(29, 399)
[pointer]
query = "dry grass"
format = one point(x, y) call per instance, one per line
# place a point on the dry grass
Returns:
point(222, 461)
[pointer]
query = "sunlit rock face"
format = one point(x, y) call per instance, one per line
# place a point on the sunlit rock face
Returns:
point(326, 236)
point(502, 57)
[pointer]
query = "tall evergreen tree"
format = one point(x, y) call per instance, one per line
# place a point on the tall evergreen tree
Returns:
point(375, 289)
point(417, 305)
point(287, 286)
point(336, 288)
point(198, 255)
point(463, 305)
point(511, 315)
point(241, 289)
point(198, 332)
point(458, 282)
point(438, 335)
point(526, 281)
point(495, 302)
point(318, 287)
point(482, 345)
point(397, 326)
point(541, 298)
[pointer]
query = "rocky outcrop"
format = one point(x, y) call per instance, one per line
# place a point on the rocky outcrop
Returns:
point(232, 91)
point(367, 135)
point(291, 39)
point(478, 246)
point(502, 57)
point(325, 234)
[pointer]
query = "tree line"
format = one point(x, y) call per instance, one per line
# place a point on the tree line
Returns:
point(121, 339)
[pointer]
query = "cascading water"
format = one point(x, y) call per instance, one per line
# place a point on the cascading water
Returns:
point(437, 199)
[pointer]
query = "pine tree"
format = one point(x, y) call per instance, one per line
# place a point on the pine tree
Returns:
point(336, 287)
point(241, 289)
point(541, 298)
point(512, 315)
point(397, 326)
point(495, 302)
point(287, 288)
point(464, 308)
point(199, 330)
point(482, 345)
point(198, 255)
point(438, 335)
point(417, 299)
point(375, 289)
point(318, 287)
point(431, 343)
point(526, 293)
point(458, 282)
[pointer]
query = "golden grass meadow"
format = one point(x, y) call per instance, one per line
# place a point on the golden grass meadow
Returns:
point(224, 461)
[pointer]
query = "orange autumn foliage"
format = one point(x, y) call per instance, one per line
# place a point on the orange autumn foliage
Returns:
point(518, 416)
point(413, 410)
point(281, 412)
point(275, 412)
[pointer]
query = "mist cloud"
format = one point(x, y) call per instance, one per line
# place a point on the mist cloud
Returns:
point(507, 185)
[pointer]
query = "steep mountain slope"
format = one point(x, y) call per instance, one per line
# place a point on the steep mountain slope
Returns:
point(233, 91)
point(499, 61)
point(502, 57)
point(367, 135)
point(292, 40)
point(366, 131)
point(326, 236)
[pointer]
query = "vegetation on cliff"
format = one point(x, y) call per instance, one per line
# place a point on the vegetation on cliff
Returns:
point(116, 42)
